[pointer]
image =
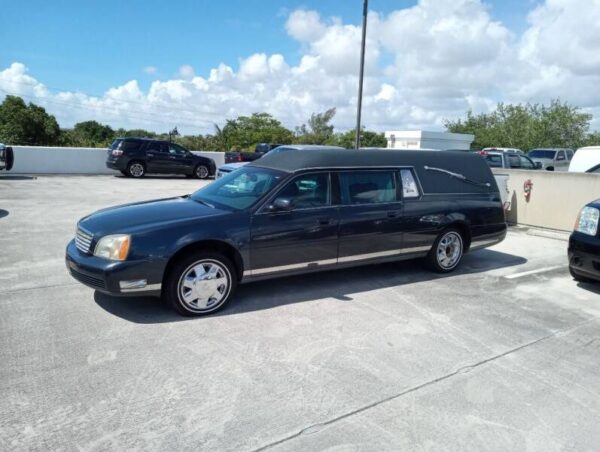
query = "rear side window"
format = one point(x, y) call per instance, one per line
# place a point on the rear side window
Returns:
point(409, 184)
point(495, 161)
point(569, 155)
point(367, 187)
point(115, 144)
point(126, 145)
point(157, 146)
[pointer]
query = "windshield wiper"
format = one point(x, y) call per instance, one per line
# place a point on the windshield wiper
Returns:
point(458, 176)
point(205, 203)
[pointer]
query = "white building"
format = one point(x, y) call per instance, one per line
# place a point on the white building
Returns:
point(421, 139)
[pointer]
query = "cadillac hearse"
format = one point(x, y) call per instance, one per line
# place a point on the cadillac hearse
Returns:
point(289, 213)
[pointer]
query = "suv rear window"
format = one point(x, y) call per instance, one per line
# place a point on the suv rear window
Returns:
point(125, 145)
point(495, 161)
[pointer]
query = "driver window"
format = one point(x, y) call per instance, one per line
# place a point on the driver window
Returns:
point(175, 150)
point(306, 191)
point(560, 155)
point(526, 163)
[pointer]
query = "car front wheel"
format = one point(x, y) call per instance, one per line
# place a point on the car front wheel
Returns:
point(200, 284)
point(447, 251)
point(201, 172)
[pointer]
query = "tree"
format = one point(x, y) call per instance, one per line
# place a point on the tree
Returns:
point(92, 134)
point(319, 129)
point(369, 139)
point(526, 126)
point(246, 132)
point(27, 124)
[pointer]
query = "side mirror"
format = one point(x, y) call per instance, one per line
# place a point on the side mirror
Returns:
point(281, 204)
point(538, 165)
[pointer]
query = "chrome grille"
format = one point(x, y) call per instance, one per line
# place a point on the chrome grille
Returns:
point(83, 240)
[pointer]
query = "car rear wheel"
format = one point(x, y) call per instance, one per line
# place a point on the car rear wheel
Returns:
point(200, 283)
point(447, 251)
point(202, 172)
point(136, 169)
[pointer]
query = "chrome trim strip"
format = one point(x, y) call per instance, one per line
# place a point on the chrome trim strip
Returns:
point(280, 268)
point(148, 288)
point(324, 262)
point(485, 242)
point(399, 252)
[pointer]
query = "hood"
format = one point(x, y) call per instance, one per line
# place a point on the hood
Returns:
point(146, 215)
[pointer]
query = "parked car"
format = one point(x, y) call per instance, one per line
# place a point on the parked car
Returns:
point(7, 157)
point(511, 150)
point(136, 157)
point(229, 167)
point(552, 159)
point(505, 159)
point(584, 244)
point(586, 160)
point(288, 213)
point(260, 150)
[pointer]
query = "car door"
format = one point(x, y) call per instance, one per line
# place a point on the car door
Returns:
point(561, 163)
point(157, 157)
point(299, 238)
point(180, 160)
point(370, 215)
point(526, 163)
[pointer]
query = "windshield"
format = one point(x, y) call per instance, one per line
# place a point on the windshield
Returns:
point(541, 154)
point(239, 189)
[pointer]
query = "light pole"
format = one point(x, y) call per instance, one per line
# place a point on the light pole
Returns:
point(362, 71)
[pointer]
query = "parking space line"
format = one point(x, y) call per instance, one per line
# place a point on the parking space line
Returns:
point(534, 272)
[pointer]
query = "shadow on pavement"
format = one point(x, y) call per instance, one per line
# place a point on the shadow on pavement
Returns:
point(160, 176)
point(339, 284)
point(593, 287)
point(3, 213)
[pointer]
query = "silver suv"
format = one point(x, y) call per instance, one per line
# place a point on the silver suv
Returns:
point(552, 159)
point(504, 159)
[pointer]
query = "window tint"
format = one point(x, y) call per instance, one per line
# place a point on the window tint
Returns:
point(409, 184)
point(560, 155)
point(541, 154)
point(309, 190)
point(157, 146)
point(126, 145)
point(495, 161)
point(367, 187)
point(570, 155)
point(176, 150)
point(514, 161)
point(526, 163)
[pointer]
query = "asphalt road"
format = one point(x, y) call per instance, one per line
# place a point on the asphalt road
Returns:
point(501, 355)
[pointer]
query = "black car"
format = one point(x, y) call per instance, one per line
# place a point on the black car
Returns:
point(136, 157)
point(291, 212)
point(7, 157)
point(584, 245)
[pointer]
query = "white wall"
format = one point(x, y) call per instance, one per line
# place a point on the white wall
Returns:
point(61, 160)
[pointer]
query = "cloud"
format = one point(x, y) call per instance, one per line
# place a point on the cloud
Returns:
point(424, 63)
point(186, 72)
point(150, 70)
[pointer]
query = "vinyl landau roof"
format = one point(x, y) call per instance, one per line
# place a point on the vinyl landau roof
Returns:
point(438, 171)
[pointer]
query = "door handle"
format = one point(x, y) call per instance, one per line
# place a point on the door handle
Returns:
point(150, 155)
point(324, 221)
point(392, 214)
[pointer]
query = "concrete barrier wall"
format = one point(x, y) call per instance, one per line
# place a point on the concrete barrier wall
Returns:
point(62, 160)
point(555, 200)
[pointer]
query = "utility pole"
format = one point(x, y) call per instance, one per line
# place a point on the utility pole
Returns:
point(362, 71)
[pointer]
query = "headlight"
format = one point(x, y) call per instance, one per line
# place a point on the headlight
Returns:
point(587, 221)
point(113, 247)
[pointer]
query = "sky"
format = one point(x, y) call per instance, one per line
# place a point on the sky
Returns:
point(193, 64)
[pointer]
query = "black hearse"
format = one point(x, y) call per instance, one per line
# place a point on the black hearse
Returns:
point(584, 245)
point(287, 213)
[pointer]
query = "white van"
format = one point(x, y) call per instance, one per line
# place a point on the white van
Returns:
point(586, 160)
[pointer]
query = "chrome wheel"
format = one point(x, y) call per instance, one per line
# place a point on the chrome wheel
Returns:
point(136, 169)
point(202, 172)
point(449, 250)
point(204, 285)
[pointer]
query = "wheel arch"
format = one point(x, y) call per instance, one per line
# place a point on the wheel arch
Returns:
point(208, 245)
point(465, 232)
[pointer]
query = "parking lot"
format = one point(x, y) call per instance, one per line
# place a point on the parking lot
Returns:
point(503, 354)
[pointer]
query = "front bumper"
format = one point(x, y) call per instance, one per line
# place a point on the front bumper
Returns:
point(584, 255)
point(115, 278)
